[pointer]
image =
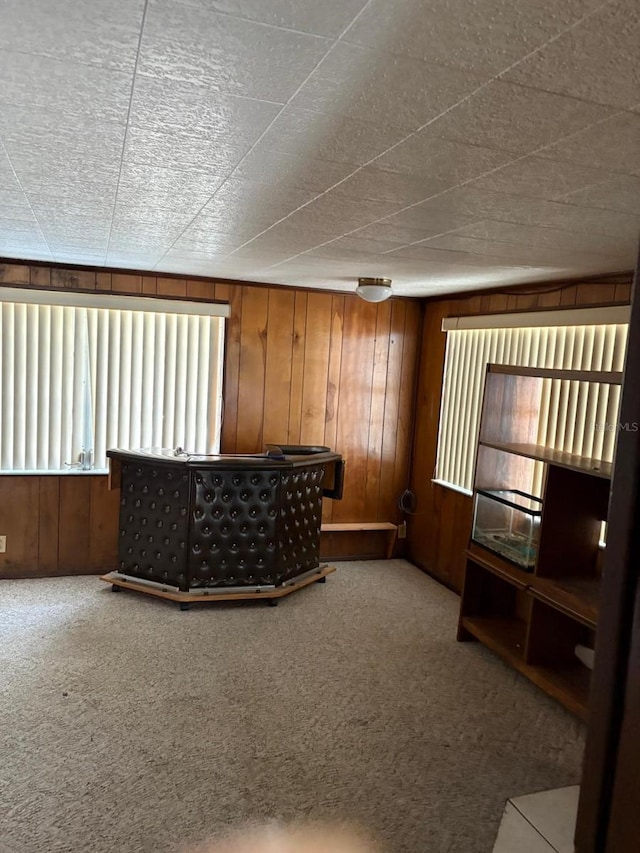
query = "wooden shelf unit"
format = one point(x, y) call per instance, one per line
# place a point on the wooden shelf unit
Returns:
point(533, 619)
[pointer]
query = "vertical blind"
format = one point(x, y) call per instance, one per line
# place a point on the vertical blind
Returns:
point(76, 381)
point(578, 417)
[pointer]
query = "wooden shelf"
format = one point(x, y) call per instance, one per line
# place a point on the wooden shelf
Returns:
point(569, 685)
point(577, 597)
point(499, 566)
point(539, 452)
point(535, 619)
point(504, 635)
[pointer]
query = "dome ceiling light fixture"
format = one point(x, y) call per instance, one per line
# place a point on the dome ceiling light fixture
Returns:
point(374, 289)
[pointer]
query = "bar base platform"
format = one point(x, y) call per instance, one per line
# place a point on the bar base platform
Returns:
point(271, 595)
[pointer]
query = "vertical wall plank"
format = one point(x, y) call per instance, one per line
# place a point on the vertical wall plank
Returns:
point(126, 283)
point(549, 299)
point(198, 289)
point(316, 368)
point(74, 529)
point(253, 354)
point(74, 279)
point(14, 274)
point(358, 348)
point(333, 385)
point(377, 412)
point(103, 281)
point(103, 525)
point(297, 368)
point(171, 286)
point(277, 380)
point(568, 295)
point(595, 294)
point(623, 293)
point(406, 401)
point(387, 510)
point(229, 442)
point(20, 500)
point(40, 276)
point(49, 524)
point(149, 285)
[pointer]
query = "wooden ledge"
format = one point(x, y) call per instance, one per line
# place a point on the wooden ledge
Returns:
point(364, 526)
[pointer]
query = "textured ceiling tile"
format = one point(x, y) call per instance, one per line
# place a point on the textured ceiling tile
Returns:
point(263, 165)
point(620, 192)
point(598, 60)
point(34, 249)
point(357, 243)
point(454, 253)
point(8, 179)
point(328, 18)
point(334, 210)
point(613, 145)
point(425, 218)
point(226, 53)
point(153, 187)
point(485, 253)
point(43, 148)
point(394, 90)
point(426, 153)
point(74, 256)
point(68, 88)
point(68, 195)
point(483, 36)
point(391, 231)
point(216, 243)
point(333, 138)
point(19, 230)
point(173, 106)
point(93, 32)
point(244, 205)
point(149, 147)
point(398, 189)
point(579, 219)
point(69, 227)
point(157, 221)
point(516, 119)
point(536, 177)
point(14, 204)
point(75, 243)
point(285, 241)
point(530, 235)
point(332, 250)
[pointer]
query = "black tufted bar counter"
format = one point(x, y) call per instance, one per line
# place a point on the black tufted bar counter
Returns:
point(228, 523)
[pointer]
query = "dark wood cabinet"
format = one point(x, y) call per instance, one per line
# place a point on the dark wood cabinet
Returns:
point(534, 616)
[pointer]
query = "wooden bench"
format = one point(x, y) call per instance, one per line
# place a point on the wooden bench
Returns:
point(359, 526)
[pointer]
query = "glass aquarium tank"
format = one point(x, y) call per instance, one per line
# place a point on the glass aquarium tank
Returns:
point(507, 522)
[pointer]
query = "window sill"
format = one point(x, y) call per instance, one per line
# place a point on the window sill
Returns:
point(453, 487)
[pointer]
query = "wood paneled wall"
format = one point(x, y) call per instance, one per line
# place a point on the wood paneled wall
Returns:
point(301, 367)
point(439, 531)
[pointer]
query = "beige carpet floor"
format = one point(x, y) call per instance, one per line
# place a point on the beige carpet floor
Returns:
point(127, 726)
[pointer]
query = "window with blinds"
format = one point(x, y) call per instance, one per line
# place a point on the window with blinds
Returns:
point(577, 417)
point(78, 379)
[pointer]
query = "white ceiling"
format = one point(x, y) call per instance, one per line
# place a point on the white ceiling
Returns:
point(446, 144)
